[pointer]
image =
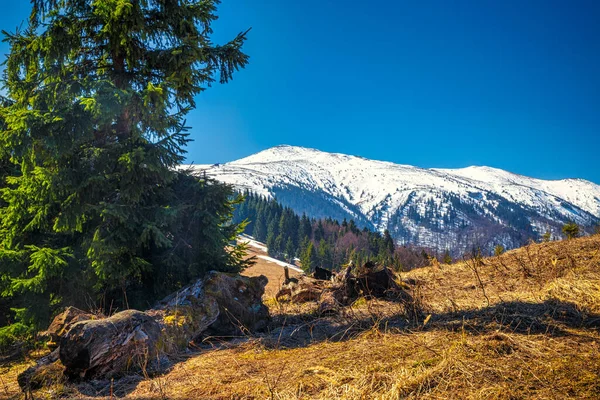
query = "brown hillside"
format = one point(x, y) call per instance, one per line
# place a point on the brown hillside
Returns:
point(520, 326)
point(271, 270)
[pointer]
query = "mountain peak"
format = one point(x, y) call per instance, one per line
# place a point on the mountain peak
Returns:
point(276, 153)
point(428, 207)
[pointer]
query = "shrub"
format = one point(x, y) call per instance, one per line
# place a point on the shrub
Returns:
point(498, 250)
point(546, 237)
point(14, 333)
point(571, 230)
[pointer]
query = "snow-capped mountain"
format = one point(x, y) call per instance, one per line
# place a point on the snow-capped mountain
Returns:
point(440, 208)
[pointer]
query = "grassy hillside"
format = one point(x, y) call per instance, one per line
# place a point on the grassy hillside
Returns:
point(519, 326)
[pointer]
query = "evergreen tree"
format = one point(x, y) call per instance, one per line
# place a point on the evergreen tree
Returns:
point(447, 259)
point(319, 232)
point(308, 258)
point(388, 242)
point(288, 226)
point(279, 247)
point(546, 236)
point(304, 228)
point(98, 92)
point(342, 243)
point(571, 230)
point(352, 227)
point(303, 245)
point(386, 248)
point(289, 250)
point(260, 229)
point(498, 250)
point(324, 255)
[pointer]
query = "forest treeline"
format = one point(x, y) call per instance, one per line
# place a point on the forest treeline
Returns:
point(326, 243)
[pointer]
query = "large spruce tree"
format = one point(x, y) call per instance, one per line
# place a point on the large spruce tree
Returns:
point(93, 129)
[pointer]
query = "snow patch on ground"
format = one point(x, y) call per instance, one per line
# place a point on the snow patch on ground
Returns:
point(279, 262)
point(249, 240)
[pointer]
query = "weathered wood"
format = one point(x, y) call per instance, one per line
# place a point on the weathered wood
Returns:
point(322, 273)
point(239, 299)
point(107, 347)
point(283, 293)
point(62, 323)
point(343, 288)
point(301, 290)
point(304, 294)
point(219, 304)
point(36, 376)
point(338, 293)
point(376, 283)
point(329, 302)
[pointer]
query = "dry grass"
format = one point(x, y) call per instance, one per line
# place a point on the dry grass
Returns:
point(564, 271)
point(520, 326)
point(395, 365)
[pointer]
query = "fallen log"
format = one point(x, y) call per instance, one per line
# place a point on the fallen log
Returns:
point(304, 294)
point(339, 293)
point(301, 290)
point(62, 323)
point(330, 302)
point(241, 310)
point(44, 373)
point(106, 347)
point(219, 304)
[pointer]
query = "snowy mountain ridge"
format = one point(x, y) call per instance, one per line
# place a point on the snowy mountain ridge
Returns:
point(439, 208)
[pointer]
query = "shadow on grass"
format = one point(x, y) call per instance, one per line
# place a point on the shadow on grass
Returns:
point(552, 318)
point(549, 317)
point(295, 330)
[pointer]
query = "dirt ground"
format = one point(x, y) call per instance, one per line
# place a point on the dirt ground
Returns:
point(271, 270)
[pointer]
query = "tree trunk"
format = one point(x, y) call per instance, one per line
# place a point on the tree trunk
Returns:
point(106, 347)
point(221, 304)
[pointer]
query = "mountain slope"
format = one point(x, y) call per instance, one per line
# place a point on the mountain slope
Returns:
point(438, 208)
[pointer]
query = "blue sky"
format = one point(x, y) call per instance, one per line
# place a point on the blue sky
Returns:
point(509, 84)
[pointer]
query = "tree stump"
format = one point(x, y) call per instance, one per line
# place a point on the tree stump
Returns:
point(343, 288)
